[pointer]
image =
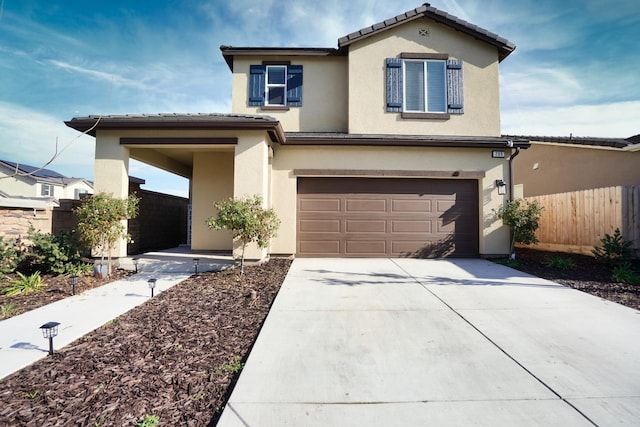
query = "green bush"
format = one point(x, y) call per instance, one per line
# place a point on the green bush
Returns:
point(623, 273)
point(48, 253)
point(247, 220)
point(613, 250)
point(561, 263)
point(9, 257)
point(524, 219)
point(24, 284)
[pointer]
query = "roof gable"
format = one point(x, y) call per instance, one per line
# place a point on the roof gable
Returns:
point(504, 46)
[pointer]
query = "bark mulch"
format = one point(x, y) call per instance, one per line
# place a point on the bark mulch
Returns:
point(176, 357)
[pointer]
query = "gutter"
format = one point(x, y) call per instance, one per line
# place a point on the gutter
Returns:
point(511, 185)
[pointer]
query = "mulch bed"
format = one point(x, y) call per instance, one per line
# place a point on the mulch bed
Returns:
point(175, 356)
point(588, 275)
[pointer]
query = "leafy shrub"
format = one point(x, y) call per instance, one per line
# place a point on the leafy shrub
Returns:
point(49, 253)
point(6, 310)
point(561, 263)
point(247, 220)
point(614, 249)
point(524, 219)
point(623, 273)
point(9, 257)
point(24, 284)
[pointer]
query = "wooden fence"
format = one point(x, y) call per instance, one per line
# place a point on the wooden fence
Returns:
point(575, 222)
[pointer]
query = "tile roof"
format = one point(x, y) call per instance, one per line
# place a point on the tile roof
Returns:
point(90, 124)
point(579, 140)
point(505, 47)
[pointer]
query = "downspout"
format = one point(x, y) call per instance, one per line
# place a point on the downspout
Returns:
point(511, 185)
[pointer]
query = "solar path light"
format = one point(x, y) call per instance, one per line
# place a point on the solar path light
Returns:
point(196, 261)
point(152, 285)
point(50, 330)
point(135, 263)
point(74, 281)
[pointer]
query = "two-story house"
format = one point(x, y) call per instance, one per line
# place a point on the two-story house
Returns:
point(388, 145)
point(30, 182)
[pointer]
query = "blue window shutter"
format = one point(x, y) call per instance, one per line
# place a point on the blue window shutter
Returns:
point(394, 85)
point(256, 84)
point(455, 93)
point(294, 85)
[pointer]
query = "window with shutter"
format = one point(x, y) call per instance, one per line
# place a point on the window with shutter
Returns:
point(416, 85)
point(275, 85)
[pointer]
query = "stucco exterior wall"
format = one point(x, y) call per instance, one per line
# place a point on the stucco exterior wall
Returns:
point(367, 79)
point(547, 168)
point(494, 238)
point(212, 181)
point(17, 186)
point(324, 94)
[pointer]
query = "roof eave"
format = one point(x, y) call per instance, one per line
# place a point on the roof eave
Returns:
point(229, 52)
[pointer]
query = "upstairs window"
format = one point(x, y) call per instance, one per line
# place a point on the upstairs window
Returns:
point(46, 190)
point(424, 86)
point(275, 85)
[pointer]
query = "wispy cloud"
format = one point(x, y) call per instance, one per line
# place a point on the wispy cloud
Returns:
point(100, 75)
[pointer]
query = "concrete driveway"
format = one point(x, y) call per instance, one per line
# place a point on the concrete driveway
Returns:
point(407, 342)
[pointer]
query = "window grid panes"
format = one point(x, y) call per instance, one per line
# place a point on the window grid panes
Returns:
point(276, 85)
point(425, 86)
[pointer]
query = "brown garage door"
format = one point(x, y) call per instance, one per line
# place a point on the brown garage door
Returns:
point(379, 217)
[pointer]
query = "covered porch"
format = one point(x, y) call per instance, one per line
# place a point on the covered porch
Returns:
point(222, 156)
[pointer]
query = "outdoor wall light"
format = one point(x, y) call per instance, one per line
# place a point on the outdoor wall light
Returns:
point(152, 285)
point(50, 330)
point(135, 263)
point(196, 261)
point(502, 186)
point(74, 282)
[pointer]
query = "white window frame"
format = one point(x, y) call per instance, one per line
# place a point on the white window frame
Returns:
point(426, 88)
point(46, 190)
point(275, 85)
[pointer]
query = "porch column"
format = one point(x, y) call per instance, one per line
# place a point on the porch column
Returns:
point(111, 175)
point(251, 177)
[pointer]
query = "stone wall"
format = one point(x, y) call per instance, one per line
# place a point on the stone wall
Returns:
point(15, 222)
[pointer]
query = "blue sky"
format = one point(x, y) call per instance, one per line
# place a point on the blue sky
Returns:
point(575, 69)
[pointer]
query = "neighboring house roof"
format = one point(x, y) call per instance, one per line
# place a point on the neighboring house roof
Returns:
point(505, 47)
point(620, 143)
point(91, 124)
point(38, 174)
point(38, 203)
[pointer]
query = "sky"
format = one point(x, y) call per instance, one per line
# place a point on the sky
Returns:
point(576, 68)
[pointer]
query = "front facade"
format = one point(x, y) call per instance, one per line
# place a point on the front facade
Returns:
point(388, 145)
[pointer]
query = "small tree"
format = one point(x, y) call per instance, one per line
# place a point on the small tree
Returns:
point(100, 221)
point(247, 220)
point(524, 219)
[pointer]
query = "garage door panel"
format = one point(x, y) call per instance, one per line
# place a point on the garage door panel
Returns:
point(319, 226)
point(360, 226)
point(387, 217)
point(399, 226)
point(366, 205)
point(366, 247)
point(319, 205)
point(404, 205)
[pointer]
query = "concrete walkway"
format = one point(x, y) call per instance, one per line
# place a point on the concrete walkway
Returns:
point(406, 342)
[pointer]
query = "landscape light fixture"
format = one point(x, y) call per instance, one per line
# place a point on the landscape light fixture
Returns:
point(74, 282)
point(135, 263)
point(50, 330)
point(152, 285)
point(196, 261)
point(502, 187)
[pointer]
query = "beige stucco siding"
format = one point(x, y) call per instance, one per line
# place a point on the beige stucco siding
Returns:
point(367, 80)
point(554, 168)
point(212, 181)
point(324, 97)
point(494, 238)
point(17, 186)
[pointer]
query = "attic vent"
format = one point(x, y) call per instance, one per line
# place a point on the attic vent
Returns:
point(424, 32)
